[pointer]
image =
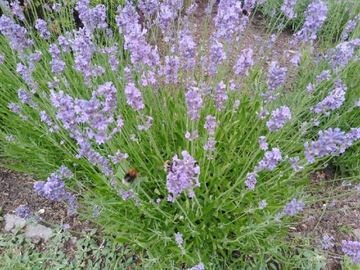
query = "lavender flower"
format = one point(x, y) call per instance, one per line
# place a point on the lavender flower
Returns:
point(323, 76)
point(16, 10)
point(331, 141)
point(262, 204)
point(357, 103)
point(315, 16)
point(288, 8)
point(276, 76)
point(128, 195)
point(350, 26)
point(216, 56)
point(327, 241)
point(194, 102)
point(250, 180)
point(65, 226)
point(42, 27)
point(16, 34)
point(352, 248)
point(134, 97)
point(118, 157)
point(57, 65)
point(210, 124)
point(171, 69)
point(310, 87)
point(263, 144)
point(333, 101)
point(179, 239)
point(23, 211)
point(192, 136)
point(9, 138)
point(220, 96)
point(184, 176)
point(148, 7)
point(25, 73)
point(262, 113)
point(187, 48)
point(92, 18)
point(54, 188)
point(147, 125)
point(47, 120)
point(244, 62)
point(210, 144)
point(342, 54)
point(278, 118)
point(294, 163)
point(199, 266)
point(270, 160)
point(293, 207)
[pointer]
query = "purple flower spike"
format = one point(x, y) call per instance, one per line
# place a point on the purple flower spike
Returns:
point(210, 124)
point(270, 160)
point(352, 248)
point(179, 239)
point(293, 207)
point(250, 181)
point(244, 62)
point(184, 176)
point(23, 211)
point(194, 102)
point(220, 96)
point(278, 118)
point(42, 27)
point(134, 97)
point(199, 266)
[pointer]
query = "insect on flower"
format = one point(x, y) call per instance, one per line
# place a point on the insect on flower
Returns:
point(130, 176)
point(168, 165)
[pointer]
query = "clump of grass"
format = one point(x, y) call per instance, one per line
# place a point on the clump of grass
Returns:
point(240, 136)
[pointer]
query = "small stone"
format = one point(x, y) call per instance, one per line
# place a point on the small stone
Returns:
point(38, 230)
point(357, 233)
point(13, 222)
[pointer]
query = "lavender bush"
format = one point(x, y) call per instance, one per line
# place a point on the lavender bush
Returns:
point(86, 102)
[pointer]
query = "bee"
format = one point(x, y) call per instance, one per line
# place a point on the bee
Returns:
point(130, 176)
point(53, 28)
point(168, 166)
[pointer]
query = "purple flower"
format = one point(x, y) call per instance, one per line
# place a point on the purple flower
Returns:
point(9, 138)
point(220, 96)
point(342, 54)
point(216, 56)
point(147, 124)
point(350, 26)
point(128, 195)
point(278, 118)
point(54, 188)
point(42, 27)
point(323, 76)
point(148, 7)
point(293, 207)
point(262, 204)
point(352, 248)
point(25, 73)
point(310, 87)
point(179, 239)
point(171, 69)
point(327, 241)
point(118, 157)
point(23, 211)
point(276, 76)
point(270, 160)
point(315, 16)
point(16, 34)
point(250, 180)
point(17, 10)
point(199, 266)
point(244, 62)
point(263, 144)
point(288, 8)
point(92, 18)
point(331, 141)
point(210, 144)
point(194, 102)
point(262, 113)
point(187, 48)
point(192, 136)
point(184, 175)
point(134, 97)
point(333, 101)
point(357, 103)
point(294, 163)
point(210, 124)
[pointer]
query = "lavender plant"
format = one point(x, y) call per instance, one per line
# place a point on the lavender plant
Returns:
point(86, 104)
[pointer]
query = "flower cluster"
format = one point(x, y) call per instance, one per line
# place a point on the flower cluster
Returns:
point(42, 27)
point(199, 266)
point(333, 101)
point(315, 16)
point(220, 96)
point(278, 118)
point(16, 34)
point(276, 78)
point(352, 248)
point(244, 62)
point(54, 188)
point(184, 176)
point(92, 18)
point(327, 241)
point(194, 102)
point(288, 8)
point(293, 207)
point(57, 65)
point(331, 141)
point(23, 211)
point(342, 54)
point(270, 160)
